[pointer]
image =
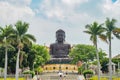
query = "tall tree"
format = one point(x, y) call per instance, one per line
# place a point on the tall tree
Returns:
point(5, 39)
point(22, 37)
point(111, 29)
point(95, 30)
point(38, 56)
point(82, 53)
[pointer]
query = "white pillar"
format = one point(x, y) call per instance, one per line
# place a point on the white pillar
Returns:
point(113, 68)
point(118, 65)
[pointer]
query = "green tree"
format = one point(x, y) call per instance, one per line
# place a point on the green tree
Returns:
point(24, 55)
point(2, 56)
point(104, 66)
point(12, 60)
point(111, 29)
point(5, 39)
point(82, 53)
point(39, 70)
point(95, 30)
point(31, 58)
point(40, 56)
point(102, 54)
point(81, 69)
point(21, 29)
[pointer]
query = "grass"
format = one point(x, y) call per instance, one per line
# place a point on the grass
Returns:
point(104, 78)
point(13, 79)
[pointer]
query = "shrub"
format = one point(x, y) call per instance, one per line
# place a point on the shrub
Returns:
point(87, 73)
point(29, 72)
point(39, 70)
point(80, 70)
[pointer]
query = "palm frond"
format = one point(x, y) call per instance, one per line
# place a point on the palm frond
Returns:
point(10, 47)
point(88, 32)
point(26, 41)
point(87, 26)
point(30, 37)
point(103, 38)
point(110, 24)
point(94, 30)
point(116, 32)
point(1, 29)
point(91, 38)
point(21, 27)
point(113, 21)
point(8, 30)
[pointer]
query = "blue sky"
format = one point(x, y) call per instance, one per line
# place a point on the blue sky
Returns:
point(47, 16)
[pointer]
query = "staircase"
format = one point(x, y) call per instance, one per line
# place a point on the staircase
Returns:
point(55, 76)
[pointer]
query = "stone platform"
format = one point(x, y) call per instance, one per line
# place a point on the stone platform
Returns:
point(60, 61)
point(69, 68)
point(60, 64)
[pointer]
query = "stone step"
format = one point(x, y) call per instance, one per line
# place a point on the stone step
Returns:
point(69, 77)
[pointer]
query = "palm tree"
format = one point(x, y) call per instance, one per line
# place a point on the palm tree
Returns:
point(22, 37)
point(111, 29)
point(5, 39)
point(96, 30)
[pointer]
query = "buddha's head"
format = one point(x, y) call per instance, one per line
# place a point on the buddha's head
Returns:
point(60, 35)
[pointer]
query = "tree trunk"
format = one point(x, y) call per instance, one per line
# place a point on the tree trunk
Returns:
point(6, 58)
point(110, 59)
point(98, 62)
point(17, 64)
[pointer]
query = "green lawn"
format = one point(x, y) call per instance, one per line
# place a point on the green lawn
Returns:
point(103, 78)
point(13, 79)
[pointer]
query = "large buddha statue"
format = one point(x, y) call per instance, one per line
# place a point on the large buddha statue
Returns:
point(59, 49)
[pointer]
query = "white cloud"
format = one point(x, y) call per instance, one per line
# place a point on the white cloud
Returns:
point(60, 9)
point(51, 10)
point(111, 9)
point(10, 13)
point(57, 13)
point(18, 2)
point(73, 2)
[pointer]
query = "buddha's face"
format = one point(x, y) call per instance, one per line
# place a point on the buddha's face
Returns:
point(60, 37)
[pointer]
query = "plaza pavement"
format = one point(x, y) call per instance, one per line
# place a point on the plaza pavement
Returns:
point(56, 76)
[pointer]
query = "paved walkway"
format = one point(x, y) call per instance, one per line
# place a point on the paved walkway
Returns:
point(81, 77)
point(56, 77)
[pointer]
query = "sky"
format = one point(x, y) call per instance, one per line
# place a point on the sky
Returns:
point(45, 17)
